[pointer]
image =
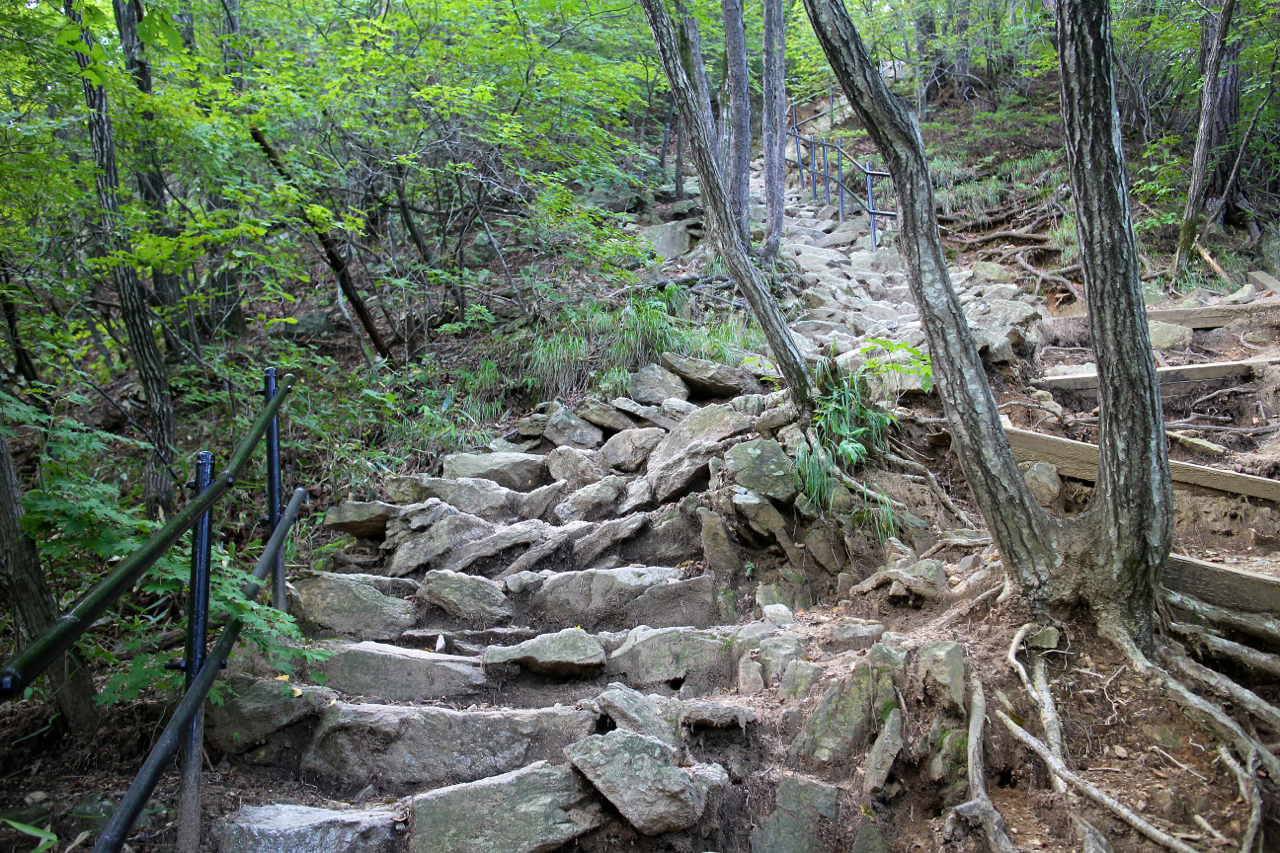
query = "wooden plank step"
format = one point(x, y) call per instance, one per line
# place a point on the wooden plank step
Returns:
point(1265, 280)
point(1222, 586)
point(1217, 316)
point(1079, 460)
point(1169, 375)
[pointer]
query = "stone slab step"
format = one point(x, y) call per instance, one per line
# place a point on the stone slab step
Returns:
point(388, 672)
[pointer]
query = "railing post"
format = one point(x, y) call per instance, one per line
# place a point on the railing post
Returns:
point(813, 164)
point(278, 597)
point(826, 173)
point(871, 208)
point(840, 179)
point(795, 131)
point(192, 751)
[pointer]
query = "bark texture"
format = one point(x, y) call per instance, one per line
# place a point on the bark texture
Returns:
point(1131, 514)
point(23, 584)
point(715, 200)
point(773, 122)
point(157, 486)
point(738, 164)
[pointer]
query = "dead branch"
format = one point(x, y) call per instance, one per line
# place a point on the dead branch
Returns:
point(979, 810)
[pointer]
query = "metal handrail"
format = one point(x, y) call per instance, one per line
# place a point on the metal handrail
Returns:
point(21, 670)
point(126, 813)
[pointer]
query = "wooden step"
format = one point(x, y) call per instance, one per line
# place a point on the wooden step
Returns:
point(1170, 376)
point(1080, 460)
point(1221, 585)
point(1217, 316)
point(1265, 281)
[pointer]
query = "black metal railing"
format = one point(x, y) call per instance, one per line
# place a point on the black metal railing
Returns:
point(186, 728)
point(816, 145)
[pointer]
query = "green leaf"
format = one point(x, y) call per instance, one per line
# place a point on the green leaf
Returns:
point(155, 27)
point(48, 839)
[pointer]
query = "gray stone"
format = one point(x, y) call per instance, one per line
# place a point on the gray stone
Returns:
point(677, 409)
point(605, 536)
point(683, 454)
point(718, 550)
point(779, 650)
point(400, 675)
point(466, 597)
point(569, 652)
point(519, 471)
point(523, 581)
point(985, 271)
point(256, 708)
point(848, 714)
point(630, 449)
point(535, 809)
point(1043, 481)
point(594, 596)
point(529, 532)
point(869, 840)
point(351, 607)
point(484, 499)
point(799, 679)
point(1168, 335)
point(603, 415)
point(596, 501)
point(363, 520)
point(669, 240)
point(653, 384)
point(775, 419)
point(804, 815)
point(690, 602)
point(631, 711)
point(762, 516)
point(1045, 638)
point(432, 547)
point(639, 496)
point(750, 677)
point(941, 667)
point(883, 753)
point(650, 656)
point(779, 614)
point(650, 414)
point(716, 379)
point(763, 467)
point(889, 657)
point(303, 829)
point(853, 634)
point(640, 776)
point(566, 429)
point(577, 468)
point(532, 426)
point(402, 746)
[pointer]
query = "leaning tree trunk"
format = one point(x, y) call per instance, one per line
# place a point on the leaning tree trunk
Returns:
point(773, 124)
point(1126, 532)
point(23, 583)
point(157, 489)
point(695, 68)
point(715, 201)
point(1110, 558)
point(1204, 140)
point(738, 163)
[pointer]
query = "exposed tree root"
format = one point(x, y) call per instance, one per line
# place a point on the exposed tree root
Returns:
point(943, 497)
point(1261, 626)
point(960, 611)
point(1049, 717)
point(919, 586)
point(979, 810)
point(1251, 658)
point(1241, 697)
point(955, 543)
point(1251, 793)
point(1057, 768)
point(1012, 658)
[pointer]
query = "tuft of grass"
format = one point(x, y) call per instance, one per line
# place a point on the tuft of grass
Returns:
point(1063, 235)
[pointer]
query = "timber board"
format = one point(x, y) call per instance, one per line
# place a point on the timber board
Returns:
point(1079, 460)
point(1266, 280)
point(1187, 373)
point(1217, 316)
point(1222, 586)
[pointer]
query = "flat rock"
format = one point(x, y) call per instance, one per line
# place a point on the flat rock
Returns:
point(669, 240)
point(403, 746)
point(762, 466)
point(630, 449)
point(593, 502)
point(639, 775)
point(1168, 335)
point(353, 608)
point(400, 675)
point(595, 596)
point(684, 453)
point(535, 809)
point(362, 519)
point(426, 549)
point(650, 414)
point(303, 829)
point(653, 384)
point(569, 652)
point(603, 415)
point(576, 468)
point(257, 708)
point(519, 471)
point(566, 429)
point(710, 377)
point(522, 533)
point(667, 655)
point(689, 602)
point(466, 597)
point(483, 499)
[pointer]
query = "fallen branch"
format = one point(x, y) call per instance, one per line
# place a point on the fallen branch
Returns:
point(979, 810)
point(1117, 808)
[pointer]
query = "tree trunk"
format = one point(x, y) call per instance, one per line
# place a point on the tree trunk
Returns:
point(23, 583)
point(1110, 558)
point(1126, 532)
point(739, 118)
point(715, 201)
point(695, 68)
point(773, 122)
point(1205, 139)
point(157, 488)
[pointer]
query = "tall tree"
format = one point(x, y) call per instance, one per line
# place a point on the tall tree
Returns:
point(157, 485)
point(24, 585)
point(773, 122)
point(715, 199)
point(738, 163)
point(1109, 557)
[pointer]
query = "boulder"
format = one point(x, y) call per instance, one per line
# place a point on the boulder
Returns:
point(595, 596)
point(483, 499)
point(883, 753)
point(569, 652)
point(649, 414)
point(519, 471)
point(338, 604)
point(632, 711)
point(522, 533)
point(941, 667)
point(401, 745)
point(577, 468)
point(718, 380)
point(799, 678)
point(1043, 481)
point(450, 531)
point(758, 511)
point(718, 550)
point(531, 810)
point(778, 651)
point(763, 467)
point(566, 429)
point(639, 775)
point(256, 708)
point(630, 449)
point(596, 501)
point(653, 384)
point(847, 715)
point(669, 240)
point(465, 597)
point(684, 453)
point(675, 655)
point(852, 634)
point(804, 815)
point(750, 677)
point(691, 602)
point(603, 415)
point(276, 828)
point(400, 675)
point(363, 520)
point(1168, 335)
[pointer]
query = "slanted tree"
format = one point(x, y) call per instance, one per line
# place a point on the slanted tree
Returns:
point(715, 199)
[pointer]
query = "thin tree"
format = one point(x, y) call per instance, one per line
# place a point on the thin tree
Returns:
point(738, 163)
point(715, 199)
point(157, 487)
point(773, 126)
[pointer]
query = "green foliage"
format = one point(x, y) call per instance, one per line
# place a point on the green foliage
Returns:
point(45, 838)
point(884, 356)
